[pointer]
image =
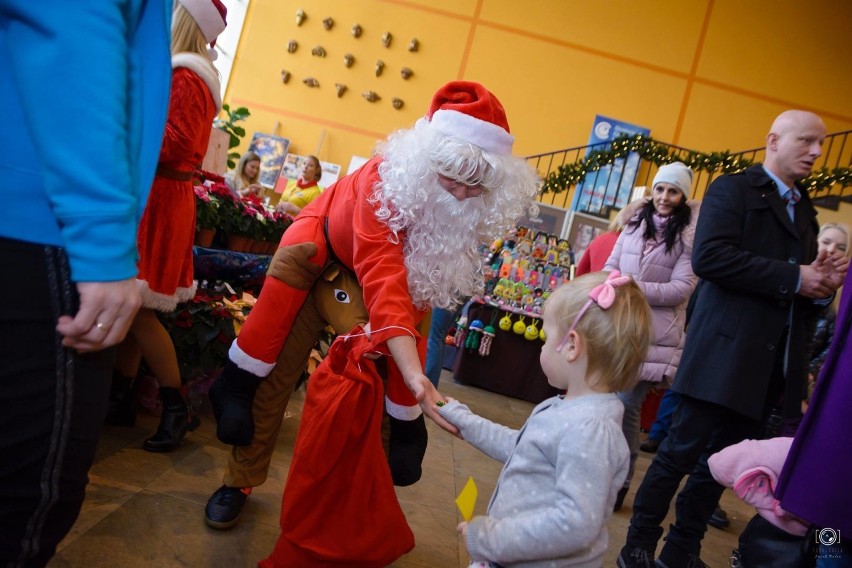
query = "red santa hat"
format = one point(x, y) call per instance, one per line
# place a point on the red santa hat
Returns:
point(468, 111)
point(210, 15)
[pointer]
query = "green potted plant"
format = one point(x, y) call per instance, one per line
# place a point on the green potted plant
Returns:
point(229, 125)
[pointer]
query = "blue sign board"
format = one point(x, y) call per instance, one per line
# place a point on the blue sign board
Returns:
point(611, 185)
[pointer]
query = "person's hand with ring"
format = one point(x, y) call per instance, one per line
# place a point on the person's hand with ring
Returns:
point(106, 312)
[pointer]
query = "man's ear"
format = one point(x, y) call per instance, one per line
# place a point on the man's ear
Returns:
point(771, 141)
point(573, 347)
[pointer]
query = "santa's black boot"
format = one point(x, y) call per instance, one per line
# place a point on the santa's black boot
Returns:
point(232, 395)
point(407, 446)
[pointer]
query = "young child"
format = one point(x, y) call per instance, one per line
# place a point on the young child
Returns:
point(563, 468)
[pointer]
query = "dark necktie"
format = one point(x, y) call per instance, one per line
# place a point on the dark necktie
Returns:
point(791, 197)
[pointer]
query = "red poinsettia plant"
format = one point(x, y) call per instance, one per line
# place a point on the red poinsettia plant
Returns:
point(280, 222)
point(206, 208)
point(202, 330)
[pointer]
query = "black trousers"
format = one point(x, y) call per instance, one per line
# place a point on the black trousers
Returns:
point(699, 429)
point(52, 405)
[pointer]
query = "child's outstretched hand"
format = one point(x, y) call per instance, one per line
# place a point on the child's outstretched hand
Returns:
point(447, 400)
point(462, 529)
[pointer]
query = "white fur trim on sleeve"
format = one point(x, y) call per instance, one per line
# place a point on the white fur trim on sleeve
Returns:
point(402, 412)
point(248, 363)
point(486, 135)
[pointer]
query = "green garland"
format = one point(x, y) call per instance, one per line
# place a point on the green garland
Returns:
point(568, 175)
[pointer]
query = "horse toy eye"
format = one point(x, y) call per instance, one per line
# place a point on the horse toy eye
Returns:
point(341, 296)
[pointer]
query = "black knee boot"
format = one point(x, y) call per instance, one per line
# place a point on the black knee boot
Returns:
point(121, 410)
point(175, 422)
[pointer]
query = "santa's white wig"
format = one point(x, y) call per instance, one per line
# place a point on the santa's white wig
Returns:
point(441, 234)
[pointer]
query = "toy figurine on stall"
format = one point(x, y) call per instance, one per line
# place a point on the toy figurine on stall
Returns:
point(450, 339)
point(487, 337)
point(499, 291)
point(505, 264)
point(522, 232)
point(566, 255)
point(528, 300)
point(505, 322)
point(494, 253)
point(533, 277)
point(553, 282)
point(524, 247)
point(518, 270)
point(511, 240)
point(490, 282)
point(520, 326)
point(551, 254)
point(531, 333)
point(539, 246)
point(517, 294)
point(461, 331)
point(474, 334)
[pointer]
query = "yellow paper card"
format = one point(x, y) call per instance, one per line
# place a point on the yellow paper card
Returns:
point(467, 499)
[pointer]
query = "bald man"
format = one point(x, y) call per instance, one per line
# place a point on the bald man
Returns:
point(756, 252)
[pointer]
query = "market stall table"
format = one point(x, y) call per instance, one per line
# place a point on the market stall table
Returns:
point(512, 368)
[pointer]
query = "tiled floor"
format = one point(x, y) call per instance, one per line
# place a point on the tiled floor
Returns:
point(145, 509)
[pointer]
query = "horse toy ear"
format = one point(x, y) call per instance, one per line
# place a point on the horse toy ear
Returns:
point(331, 272)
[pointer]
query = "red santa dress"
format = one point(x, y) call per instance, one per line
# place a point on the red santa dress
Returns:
point(167, 228)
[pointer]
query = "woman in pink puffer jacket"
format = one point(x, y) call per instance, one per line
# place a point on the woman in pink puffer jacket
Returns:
point(655, 248)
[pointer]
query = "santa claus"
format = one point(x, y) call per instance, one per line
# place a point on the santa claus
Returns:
point(407, 225)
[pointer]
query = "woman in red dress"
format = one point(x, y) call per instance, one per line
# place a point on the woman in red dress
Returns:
point(168, 224)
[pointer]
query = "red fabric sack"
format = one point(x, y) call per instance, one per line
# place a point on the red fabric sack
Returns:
point(339, 506)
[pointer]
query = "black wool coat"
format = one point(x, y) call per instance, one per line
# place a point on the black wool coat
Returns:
point(748, 252)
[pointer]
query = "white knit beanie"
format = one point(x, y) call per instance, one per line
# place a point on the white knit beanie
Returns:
point(677, 174)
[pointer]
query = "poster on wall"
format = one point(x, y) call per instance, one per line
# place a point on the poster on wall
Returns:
point(612, 184)
point(550, 220)
point(355, 163)
point(292, 167)
point(582, 231)
point(272, 151)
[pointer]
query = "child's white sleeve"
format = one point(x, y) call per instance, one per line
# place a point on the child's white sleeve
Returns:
point(493, 439)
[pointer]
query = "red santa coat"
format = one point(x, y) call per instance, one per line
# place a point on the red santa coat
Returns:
point(339, 443)
point(361, 243)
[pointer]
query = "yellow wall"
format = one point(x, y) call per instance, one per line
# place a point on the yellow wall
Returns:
point(704, 74)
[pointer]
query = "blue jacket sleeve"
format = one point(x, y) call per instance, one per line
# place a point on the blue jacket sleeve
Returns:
point(77, 69)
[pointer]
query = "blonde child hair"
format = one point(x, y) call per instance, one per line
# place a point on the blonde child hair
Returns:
point(843, 228)
point(616, 339)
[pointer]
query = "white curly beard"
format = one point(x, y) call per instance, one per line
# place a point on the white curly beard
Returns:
point(441, 234)
point(442, 249)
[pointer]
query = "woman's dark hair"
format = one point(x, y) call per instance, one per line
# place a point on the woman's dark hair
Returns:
point(678, 221)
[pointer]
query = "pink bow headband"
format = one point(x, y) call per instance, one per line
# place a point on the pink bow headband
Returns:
point(603, 295)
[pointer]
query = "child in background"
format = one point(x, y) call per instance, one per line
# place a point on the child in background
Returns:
point(563, 468)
